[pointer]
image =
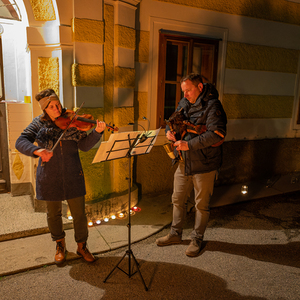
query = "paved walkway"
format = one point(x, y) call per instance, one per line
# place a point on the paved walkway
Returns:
point(26, 244)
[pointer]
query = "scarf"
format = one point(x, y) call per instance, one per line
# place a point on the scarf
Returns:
point(50, 133)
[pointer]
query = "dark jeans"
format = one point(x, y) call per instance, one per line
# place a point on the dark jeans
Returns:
point(55, 223)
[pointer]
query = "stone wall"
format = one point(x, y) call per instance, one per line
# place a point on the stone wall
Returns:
point(243, 161)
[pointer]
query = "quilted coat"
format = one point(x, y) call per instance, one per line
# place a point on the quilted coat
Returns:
point(62, 177)
point(202, 157)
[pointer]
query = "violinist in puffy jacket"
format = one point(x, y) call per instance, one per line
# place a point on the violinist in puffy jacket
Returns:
point(59, 173)
point(201, 158)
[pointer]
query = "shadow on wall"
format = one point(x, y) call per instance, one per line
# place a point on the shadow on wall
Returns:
point(248, 160)
point(154, 172)
point(242, 161)
point(260, 9)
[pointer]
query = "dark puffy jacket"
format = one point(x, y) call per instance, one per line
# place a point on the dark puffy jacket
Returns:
point(62, 177)
point(207, 110)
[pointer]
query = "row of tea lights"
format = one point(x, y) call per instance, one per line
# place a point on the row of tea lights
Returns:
point(119, 216)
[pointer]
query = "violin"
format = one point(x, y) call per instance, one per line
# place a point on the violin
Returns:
point(82, 122)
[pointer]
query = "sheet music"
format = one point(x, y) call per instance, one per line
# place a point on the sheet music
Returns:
point(146, 146)
point(119, 144)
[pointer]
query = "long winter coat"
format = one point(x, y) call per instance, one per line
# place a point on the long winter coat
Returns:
point(62, 177)
point(207, 110)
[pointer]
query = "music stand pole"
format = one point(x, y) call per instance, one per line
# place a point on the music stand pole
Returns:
point(129, 251)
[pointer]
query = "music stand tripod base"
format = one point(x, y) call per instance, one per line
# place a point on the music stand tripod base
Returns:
point(134, 140)
point(129, 251)
point(129, 274)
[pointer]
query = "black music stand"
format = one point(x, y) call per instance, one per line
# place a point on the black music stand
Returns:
point(120, 146)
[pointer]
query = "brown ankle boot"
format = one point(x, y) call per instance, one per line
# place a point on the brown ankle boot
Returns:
point(60, 255)
point(83, 251)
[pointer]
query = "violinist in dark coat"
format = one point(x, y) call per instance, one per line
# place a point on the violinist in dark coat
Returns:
point(59, 173)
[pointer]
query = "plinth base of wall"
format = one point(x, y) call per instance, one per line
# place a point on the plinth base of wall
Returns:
point(98, 210)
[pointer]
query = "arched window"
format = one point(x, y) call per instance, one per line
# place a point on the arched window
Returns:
point(9, 10)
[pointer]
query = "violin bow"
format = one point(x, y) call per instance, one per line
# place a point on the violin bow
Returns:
point(55, 145)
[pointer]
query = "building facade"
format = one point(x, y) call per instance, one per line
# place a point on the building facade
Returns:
point(124, 60)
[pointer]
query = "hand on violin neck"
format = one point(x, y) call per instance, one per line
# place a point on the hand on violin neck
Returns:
point(100, 127)
point(171, 136)
point(44, 154)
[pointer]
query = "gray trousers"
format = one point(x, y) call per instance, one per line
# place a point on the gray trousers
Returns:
point(55, 223)
point(203, 185)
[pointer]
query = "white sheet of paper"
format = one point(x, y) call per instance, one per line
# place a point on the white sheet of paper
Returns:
point(146, 146)
point(118, 145)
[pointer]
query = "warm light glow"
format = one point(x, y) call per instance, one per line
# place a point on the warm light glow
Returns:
point(113, 217)
point(106, 219)
point(70, 218)
point(90, 223)
point(98, 222)
point(136, 209)
point(244, 189)
point(121, 216)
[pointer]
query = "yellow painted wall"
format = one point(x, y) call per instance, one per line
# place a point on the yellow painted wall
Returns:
point(257, 106)
point(87, 75)
point(260, 58)
point(123, 115)
point(142, 51)
point(125, 37)
point(43, 10)
point(88, 31)
point(105, 178)
point(140, 105)
point(273, 10)
point(48, 73)
point(124, 77)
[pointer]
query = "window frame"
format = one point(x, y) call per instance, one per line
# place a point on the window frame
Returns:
point(190, 41)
